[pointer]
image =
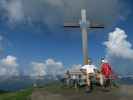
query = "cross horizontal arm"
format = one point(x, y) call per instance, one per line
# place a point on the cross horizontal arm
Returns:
point(77, 25)
point(96, 27)
point(71, 25)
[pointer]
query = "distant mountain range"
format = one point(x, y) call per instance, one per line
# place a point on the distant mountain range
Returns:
point(20, 82)
point(126, 80)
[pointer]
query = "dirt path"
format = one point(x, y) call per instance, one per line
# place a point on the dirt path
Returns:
point(40, 94)
point(124, 93)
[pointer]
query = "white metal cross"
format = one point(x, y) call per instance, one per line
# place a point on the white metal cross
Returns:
point(84, 24)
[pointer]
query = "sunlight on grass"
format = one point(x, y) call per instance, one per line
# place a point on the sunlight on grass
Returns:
point(20, 95)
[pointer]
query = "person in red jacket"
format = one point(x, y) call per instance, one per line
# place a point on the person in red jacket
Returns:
point(106, 71)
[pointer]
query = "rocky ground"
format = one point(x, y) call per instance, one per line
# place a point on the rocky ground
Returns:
point(122, 93)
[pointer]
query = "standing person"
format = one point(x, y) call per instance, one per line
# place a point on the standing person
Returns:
point(89, 70)
point(68, 76)
point(100, 78)
point(74, 81)
point(106, 70)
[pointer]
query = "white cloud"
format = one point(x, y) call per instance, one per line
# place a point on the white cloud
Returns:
point(48, 67)
point(53, 67)
point(119, 52)
point(9, 66)
point(9, 61)
point(75, 67)
point(37, 69)
point(118, 45)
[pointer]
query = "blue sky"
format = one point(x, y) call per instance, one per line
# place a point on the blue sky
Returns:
point(40, 42)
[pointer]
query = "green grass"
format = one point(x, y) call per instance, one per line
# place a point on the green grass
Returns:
point(19, 95)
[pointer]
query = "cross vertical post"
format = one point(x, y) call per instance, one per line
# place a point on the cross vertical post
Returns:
point(84, 27)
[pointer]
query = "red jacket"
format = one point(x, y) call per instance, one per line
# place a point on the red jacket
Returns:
point(106, 70)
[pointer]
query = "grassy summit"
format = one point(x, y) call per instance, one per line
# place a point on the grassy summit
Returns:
point(57, 91)
point(19, 95)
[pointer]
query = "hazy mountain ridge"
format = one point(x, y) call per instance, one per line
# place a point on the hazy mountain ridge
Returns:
point(21, 82)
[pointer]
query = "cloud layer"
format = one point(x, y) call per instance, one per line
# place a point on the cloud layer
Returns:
point(53, 12)
point(49, 67)
point(9, 66)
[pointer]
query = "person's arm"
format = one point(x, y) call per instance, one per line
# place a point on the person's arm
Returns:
point(95, 69)
point(100, 68)
point(111, 71)
point(83, 70)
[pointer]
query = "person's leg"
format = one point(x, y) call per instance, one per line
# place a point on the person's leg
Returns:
point(108, 83)
point(101, 80)
point(76, 83)
point(89, 84)
point(67, 82)
point(105, 83)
